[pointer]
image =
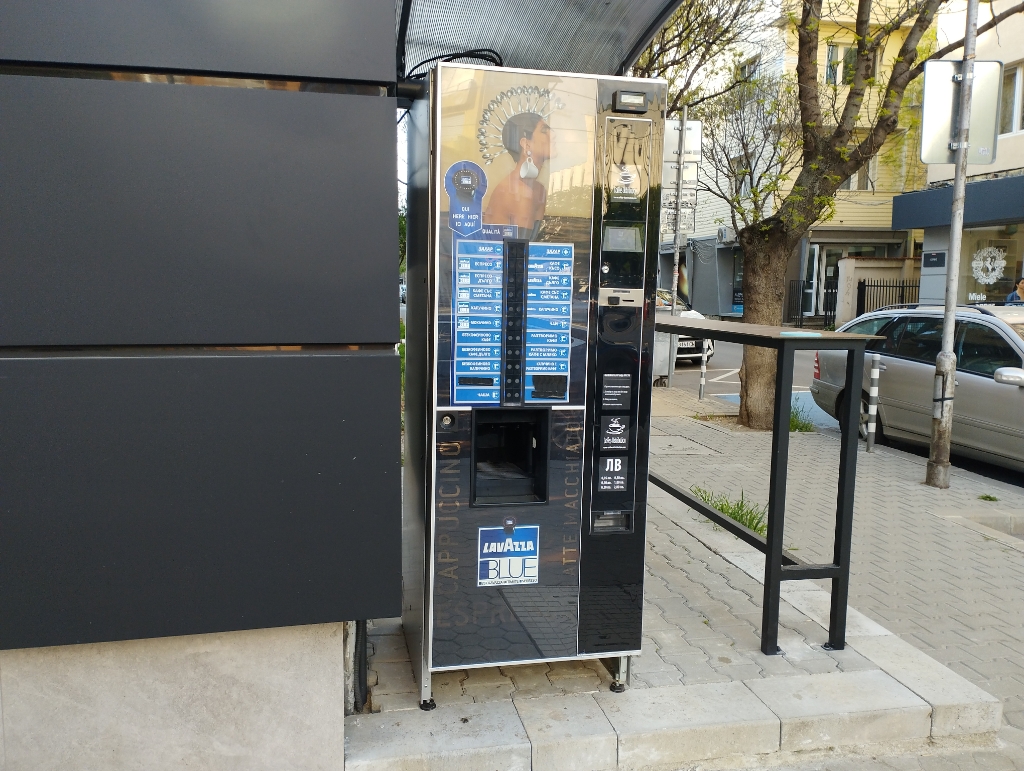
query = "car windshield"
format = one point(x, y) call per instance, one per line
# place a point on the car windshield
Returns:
point(868, 326)
point(1019, 329)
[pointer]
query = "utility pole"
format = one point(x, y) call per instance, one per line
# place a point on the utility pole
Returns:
point(937, 474)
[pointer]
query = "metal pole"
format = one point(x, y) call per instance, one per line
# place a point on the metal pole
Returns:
point(937, 474)
point(703, 369)
point(673, 340)
point(844, 504)
point(876, 360)
point(777, 500)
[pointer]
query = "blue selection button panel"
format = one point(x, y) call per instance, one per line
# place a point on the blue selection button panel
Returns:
point(477, 314)
point(478, 318)
point(548, 322)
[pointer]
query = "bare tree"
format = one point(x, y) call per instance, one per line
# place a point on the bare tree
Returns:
point(697, 35)
point(751, 146)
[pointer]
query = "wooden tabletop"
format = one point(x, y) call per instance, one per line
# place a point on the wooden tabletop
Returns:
point(758, 334)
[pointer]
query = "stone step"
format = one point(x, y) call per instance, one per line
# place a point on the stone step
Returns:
point(671, 726)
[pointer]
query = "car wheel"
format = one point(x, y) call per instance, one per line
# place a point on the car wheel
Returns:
point(862, 427)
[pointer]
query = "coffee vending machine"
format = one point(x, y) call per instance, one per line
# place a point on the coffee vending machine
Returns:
point(534, 202)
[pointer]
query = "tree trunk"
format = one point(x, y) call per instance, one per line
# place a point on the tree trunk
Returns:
point(766, 252)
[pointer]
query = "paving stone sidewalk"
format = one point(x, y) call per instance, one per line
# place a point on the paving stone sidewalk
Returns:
point(702, 618)
point(920, 565)
point(929, 578)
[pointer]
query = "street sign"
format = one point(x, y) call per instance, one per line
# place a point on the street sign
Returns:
point(668, 174)
point(685, 221)
point(693, 140)
point(941, 104)
point(686, 197)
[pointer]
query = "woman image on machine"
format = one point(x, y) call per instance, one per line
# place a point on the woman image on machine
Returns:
point(520, 199)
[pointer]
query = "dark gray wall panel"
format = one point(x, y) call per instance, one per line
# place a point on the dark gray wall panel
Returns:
point(147, 496)
point(351, 39)
point(134, 213)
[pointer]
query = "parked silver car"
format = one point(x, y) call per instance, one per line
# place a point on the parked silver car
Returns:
point(988, 406)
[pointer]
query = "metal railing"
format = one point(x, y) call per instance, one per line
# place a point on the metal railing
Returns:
point(873, 294)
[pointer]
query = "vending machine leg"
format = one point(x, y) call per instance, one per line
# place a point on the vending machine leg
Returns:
point(426, 691)
point(621, 675)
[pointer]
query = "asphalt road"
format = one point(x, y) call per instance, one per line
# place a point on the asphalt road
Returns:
point(723, 380)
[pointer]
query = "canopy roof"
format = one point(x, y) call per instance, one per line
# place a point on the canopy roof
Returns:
point(602, 37)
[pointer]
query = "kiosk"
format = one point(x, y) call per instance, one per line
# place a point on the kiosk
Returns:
point(533, 244)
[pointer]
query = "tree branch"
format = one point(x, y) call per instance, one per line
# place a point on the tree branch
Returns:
point(995, 20)
point(807, 76)
point(855, 97)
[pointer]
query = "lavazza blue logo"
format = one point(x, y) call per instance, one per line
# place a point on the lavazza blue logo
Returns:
point(506, 559)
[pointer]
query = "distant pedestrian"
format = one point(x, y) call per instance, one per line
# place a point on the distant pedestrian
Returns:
point(1017, 295)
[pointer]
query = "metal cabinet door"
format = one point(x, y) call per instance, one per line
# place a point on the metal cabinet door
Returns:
point(987, 415)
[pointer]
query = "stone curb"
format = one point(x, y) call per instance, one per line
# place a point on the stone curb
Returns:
point(466, 737)
point(647, 728)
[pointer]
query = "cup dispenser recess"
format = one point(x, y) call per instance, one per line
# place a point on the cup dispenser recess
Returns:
point(533, 240)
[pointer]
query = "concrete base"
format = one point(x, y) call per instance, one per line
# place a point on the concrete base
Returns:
point(959, 707)
point(679, 724)
point(843, 708)
point(253, 700)
point(470, 737)
point(568, 733)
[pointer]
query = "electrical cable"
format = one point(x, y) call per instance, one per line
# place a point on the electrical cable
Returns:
point(360, 667)
point(484, 54)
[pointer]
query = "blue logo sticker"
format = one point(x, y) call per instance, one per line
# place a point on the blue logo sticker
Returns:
point(508, 558)
point(466, 184)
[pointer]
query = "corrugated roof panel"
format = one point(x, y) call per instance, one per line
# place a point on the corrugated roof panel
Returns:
point(573, 36)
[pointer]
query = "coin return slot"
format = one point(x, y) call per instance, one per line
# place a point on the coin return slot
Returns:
point(616, 521)
point(510, 456)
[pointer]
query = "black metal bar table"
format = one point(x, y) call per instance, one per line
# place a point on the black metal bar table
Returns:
point(781, 565)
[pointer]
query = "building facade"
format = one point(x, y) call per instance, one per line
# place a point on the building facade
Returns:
point(992, 252)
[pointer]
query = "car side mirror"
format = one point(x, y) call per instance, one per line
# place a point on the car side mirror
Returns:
point(1009, 376)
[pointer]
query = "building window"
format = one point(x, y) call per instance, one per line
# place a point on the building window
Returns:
point(740, 177)
point(1011, 118)
point(864, 178)
point(748, 70)
point(842, 63)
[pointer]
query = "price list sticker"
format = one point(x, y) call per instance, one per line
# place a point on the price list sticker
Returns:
point(477, 323)
point(548, 322)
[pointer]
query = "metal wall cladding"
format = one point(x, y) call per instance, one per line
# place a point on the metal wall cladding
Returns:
point(150, 214)
point(345, 39)
point(152, 495)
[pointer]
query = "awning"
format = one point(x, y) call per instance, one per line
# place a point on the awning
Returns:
point(987, 202)
point(596, 36)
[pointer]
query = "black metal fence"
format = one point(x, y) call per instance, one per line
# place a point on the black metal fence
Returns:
point(825, 303)
point(829, 303)
point(877, 293)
